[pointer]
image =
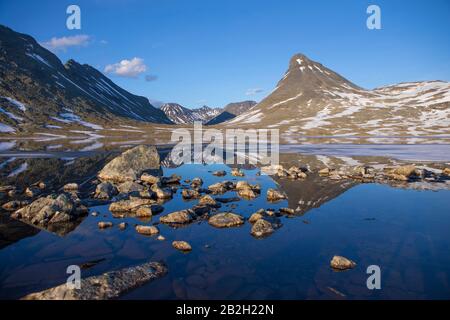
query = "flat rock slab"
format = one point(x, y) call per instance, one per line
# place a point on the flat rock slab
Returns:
point(107, 286)
point(226, 220)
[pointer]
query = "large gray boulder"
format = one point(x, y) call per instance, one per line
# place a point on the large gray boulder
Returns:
point(131, 164)
point(109, 285)
point(49, 210)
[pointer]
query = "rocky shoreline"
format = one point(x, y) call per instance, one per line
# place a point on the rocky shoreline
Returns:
point(132, 184)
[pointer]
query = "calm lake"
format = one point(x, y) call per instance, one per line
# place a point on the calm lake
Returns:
point(405, 232)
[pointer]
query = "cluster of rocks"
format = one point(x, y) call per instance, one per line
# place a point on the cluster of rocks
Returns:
point(405, 173)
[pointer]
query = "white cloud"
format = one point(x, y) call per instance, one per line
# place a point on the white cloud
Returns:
point(56, 44)
point(253, 91)
point(127, 68)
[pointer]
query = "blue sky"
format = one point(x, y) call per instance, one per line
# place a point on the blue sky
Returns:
point(215, 51)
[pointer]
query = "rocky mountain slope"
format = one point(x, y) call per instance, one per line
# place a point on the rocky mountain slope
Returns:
point(181, 115)
point(232, 110)
point(312, 100)
point(36, 89)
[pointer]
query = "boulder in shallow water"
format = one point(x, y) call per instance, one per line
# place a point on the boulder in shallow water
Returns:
point(342, 263)
point(261, 228)
point(32, 191)
point(51, 209)
point(129, 187)
point(105, 191)
point(104, 224)
point(190, 194)
point(129, 205)
point(226, 220)
point(110, 285)
point(70, 187)
point(275, 195)
point(182, 246)
point(130, 165)
point(150, 179)
point(178, 217)
point(147, 230)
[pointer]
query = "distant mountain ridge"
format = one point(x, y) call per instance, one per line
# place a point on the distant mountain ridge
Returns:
point(181, 115)
point(37, 89)
point(232, 110)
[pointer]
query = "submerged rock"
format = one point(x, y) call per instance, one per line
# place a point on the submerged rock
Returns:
point(147, 230)
point(131, 164)
point(105, 191)
point(261, 228)
point(181, 245)
point(226, 220)
point(342, 263)
point(129, 205)
point(275, 195)
point(109, 285)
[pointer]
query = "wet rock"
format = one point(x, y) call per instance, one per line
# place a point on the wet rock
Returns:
point(147, 194)
point(217, 188)
point(190, 194)
point(287, 210)
point(147, 211)
point(342, 263)
point(261, 228)
point(32, 191)
point(150, 179)
point(196, 182)
point(70, 187)
point(161, 238)
point(207, 200)
point(236, 172)
point(161, 193)
point(226, 220)
point(14, 205)
point(255, 217)
point(182, 246)
point(130, 186)
point(130, 165)
point(144, 212)
point(275, 195)
point(129, 205)
point(147, 230)
point(178, 217)
point(219, 173)
point(104, 224)
point(173, 179)
point(247, 193)
point(123, 225)
point(110, 285)
point(50, 210)
point(105, 191)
